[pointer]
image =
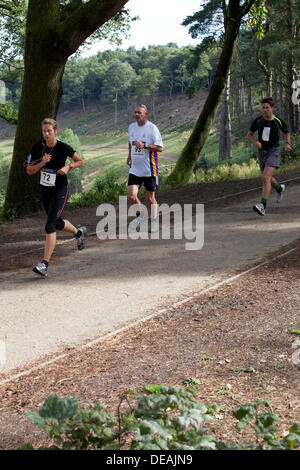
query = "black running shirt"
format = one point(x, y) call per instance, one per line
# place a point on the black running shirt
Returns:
point(60, 152)
point(268, 131)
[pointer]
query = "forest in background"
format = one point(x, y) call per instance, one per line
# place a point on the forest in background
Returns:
point(265, 62)
point(118, 79)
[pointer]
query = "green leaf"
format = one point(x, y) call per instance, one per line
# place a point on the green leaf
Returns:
point(193, 417)
point(244, 414)
point(263, 425)
point(153, 388)
point(59, 409)
point(36, 419)
point(154, 428)
point(191, 380)
point(296, 332)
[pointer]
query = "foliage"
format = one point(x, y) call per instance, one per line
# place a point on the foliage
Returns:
point(74, 176)
point(8, 112)
point(107, 188)
point(257, 17)
point(12, 29)
point(167, 418)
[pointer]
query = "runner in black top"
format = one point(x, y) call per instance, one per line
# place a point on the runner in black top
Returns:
point(51, 155)
point(268, 127)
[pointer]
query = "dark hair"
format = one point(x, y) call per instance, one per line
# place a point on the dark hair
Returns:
point(268, 100)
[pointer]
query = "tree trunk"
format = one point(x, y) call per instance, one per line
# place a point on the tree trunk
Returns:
point(225, 150)
point(40, 98)
point(50, 39)
point(186, 162)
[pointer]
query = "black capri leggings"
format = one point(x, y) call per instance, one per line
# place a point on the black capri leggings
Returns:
point(54, 201)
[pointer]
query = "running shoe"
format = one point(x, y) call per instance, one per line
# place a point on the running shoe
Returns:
point(279, 194)
point(137, 221)
point(259, 208)
point(81, 242)
point(41, 269)
point(154, 226)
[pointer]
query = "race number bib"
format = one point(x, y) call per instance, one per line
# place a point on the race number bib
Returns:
point(266, 134)
point(48, 177)
point(137, 152)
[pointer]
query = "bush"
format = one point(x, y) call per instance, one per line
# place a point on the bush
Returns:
point(74, 177)
point(106, 188)
point(167, 418)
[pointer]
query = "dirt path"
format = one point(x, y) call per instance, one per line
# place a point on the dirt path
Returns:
point(129, 279)
point(112, 284)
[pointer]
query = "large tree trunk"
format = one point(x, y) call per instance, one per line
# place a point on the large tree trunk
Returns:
point(186, 162)
point(50, 40)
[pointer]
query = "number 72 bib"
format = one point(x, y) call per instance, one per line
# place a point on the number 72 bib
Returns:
point(48, 177)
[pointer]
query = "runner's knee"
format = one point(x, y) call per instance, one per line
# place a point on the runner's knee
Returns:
point(267, 178)
point(132, 198)
point(151, 198)
point(50, 227)
point(60, 224)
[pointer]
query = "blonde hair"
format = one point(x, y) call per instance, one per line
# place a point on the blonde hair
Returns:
point(50, 122)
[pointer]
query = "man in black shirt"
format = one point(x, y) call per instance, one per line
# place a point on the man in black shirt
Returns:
point(268, 127)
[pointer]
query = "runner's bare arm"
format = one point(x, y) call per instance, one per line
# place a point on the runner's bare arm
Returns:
point(129, 154)
point(154, 148)
point(288, 147)
point(77, 163)
point(253, 141)
point(33, 168)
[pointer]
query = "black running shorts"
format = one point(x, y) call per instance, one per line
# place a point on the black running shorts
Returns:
point(150, 182)
point(54, 201)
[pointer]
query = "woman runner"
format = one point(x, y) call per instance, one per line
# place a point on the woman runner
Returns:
point(51, 155)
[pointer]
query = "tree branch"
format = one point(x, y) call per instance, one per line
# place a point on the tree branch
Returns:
point(247, 7)
point(86, 19)
point(5, 7)
point(11, 65)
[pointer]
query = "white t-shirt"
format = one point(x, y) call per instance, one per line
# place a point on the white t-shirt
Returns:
point(144, 162)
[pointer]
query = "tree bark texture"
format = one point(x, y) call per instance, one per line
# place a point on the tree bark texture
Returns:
point(186, 162)
point(52, 35)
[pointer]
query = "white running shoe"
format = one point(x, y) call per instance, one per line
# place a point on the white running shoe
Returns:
point(41, 269)
point(154, 226)
point(135, 223)
point(259, 208)
point(279, 195)
point(81, 242)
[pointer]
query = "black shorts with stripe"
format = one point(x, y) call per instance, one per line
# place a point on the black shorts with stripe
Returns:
point(150, 182)
point(54, 201)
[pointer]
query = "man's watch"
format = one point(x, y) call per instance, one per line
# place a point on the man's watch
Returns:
point(70, 166)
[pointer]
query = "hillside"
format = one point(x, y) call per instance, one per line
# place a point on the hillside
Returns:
point(99, 119)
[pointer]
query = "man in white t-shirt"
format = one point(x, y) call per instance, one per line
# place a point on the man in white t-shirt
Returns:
point(144, 144)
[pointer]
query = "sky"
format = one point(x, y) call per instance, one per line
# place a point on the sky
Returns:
point(160, 23)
